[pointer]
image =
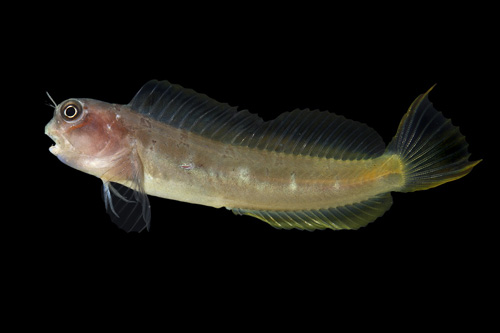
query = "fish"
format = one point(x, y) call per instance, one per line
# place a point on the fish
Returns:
point(306, 169)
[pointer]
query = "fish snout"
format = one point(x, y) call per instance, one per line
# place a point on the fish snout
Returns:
point(52, 133)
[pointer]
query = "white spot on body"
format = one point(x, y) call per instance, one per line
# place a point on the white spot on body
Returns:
point(293, 183)
point(336, 186)
point(244, 175)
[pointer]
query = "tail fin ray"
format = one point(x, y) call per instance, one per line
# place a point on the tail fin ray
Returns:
point(432, 150)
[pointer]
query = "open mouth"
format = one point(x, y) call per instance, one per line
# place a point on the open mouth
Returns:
point(54, 149)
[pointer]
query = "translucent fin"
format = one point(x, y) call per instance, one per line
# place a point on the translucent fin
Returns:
point(300, 132)
point(353, 216)
point(319, 134)
point(432, 150)
point(189, 110)
point(128, 206)
point(128, 209)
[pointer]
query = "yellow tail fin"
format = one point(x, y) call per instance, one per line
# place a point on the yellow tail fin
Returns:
point(432, 150)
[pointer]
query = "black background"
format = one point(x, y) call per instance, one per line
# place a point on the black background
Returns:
point(373, 85)
point(367, 71)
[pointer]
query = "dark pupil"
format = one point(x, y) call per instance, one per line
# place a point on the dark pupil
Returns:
point(70, 111)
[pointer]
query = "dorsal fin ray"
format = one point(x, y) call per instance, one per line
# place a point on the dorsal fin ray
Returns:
point(300, 132)
point(189, 110)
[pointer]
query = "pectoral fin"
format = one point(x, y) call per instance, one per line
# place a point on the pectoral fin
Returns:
point(128, 206)
point(129, 209)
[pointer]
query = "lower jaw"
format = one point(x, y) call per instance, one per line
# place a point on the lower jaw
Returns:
point(54, 149)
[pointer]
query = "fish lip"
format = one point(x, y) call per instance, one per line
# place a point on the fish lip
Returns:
point(55, 148)
point(61, 144)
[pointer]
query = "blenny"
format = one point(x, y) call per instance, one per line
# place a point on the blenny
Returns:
point(305, 169)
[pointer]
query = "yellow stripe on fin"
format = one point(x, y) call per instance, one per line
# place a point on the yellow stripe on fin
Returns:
point(353, 216)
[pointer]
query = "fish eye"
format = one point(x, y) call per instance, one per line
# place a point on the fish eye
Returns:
point(71, 111)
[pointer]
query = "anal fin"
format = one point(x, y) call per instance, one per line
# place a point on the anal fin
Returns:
point(352, 216)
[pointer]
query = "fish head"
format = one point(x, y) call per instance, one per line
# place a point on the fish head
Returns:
point(89, 135)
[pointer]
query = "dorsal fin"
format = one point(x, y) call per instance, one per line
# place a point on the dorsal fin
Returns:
point(189, 110)
point(318, 134)
point(300, 132)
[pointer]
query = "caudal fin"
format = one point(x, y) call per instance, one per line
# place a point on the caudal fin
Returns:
point(432, 150)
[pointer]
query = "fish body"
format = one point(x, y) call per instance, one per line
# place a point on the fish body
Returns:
point(192, 169)
point(305, 169)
